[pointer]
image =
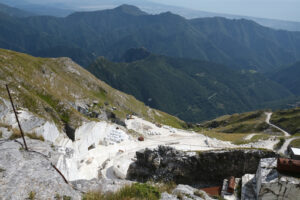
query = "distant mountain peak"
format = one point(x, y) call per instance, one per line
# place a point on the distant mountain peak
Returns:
point(129, 9)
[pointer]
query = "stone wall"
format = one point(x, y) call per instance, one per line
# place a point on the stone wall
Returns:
point(199, 169)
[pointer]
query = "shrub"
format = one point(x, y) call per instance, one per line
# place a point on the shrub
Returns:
point(57, 197)
point(66, 197)
point(0, 134)
point(138, 191)
point(31, 195)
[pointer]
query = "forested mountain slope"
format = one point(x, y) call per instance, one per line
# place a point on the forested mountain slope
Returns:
point(190, 89)
point(83, 36)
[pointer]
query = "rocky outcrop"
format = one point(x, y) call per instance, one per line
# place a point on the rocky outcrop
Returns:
point(26, 174)
point(202, 169)
point(185, 192)
point(248, 187)
point(271, 184)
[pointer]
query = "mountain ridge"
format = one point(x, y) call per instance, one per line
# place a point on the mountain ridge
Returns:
point(14, 12)
point(110, 33)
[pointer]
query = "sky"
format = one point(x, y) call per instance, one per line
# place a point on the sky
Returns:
point(274, 9)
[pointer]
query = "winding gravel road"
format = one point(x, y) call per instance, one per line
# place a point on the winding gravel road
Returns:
point(286, 134)
point(285, 145)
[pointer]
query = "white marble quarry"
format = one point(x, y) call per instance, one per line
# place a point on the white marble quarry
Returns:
point(272, 185)
point(248, 187)
point(23, 172)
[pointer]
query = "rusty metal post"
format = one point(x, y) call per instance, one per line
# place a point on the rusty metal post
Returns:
point(12, 104)
point(60, 173)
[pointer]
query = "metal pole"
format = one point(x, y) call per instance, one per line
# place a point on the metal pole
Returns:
point(12, 104)
point(60, 173)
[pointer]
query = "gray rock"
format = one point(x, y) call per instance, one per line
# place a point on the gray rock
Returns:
point(273, 185)
point(167, 196)
point(5, 133)
point(102, 185)
point(4, 108)
point(24, 172)
point(248, 187)
point(189, 193)
point(204, 169)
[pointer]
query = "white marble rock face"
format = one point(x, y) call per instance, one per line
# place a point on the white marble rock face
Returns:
point(272, 185)
point(22, 173)
point(248, 187)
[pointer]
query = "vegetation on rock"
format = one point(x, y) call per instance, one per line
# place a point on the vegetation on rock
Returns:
point(138, 191)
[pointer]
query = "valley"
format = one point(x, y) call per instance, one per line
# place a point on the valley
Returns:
point(192, 90)
point(159, 107)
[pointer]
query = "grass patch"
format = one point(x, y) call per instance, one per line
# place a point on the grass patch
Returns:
point(29, 102)
point(57, 197)
point(166, 187)
point(55, 104)
point(295, 143)
point(296, 135)
point(66, 197)
point(34, 136)
point(288, 120)
point(246, 127)
point(15, 134)
point(2, 170)
point(254, 139)
point(233, 137)
point(236, 121)
point(1, 134)
point(31, 195)
point(8, 127)
point(137, 191)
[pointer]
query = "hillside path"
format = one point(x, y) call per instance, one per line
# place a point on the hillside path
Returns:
point(285, 145)
point(286, 134)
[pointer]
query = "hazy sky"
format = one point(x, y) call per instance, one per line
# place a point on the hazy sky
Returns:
point(276, 9)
